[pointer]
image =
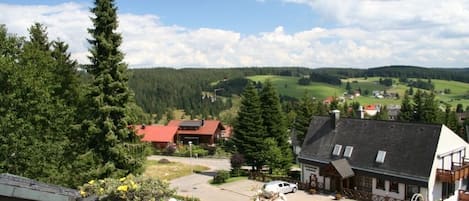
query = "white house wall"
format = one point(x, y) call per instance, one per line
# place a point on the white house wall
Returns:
point(448, 141)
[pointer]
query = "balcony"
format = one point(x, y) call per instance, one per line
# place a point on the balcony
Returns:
point(445, 175)
point(463, 195)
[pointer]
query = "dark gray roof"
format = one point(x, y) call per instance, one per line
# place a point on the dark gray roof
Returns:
point(410, 147)
point(191, 123)
point(343, 168)
point(21, 187)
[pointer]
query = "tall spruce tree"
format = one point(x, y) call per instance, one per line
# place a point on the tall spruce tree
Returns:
point(274, 123)
point(112, 149)
point(249, 134)
point(407, 110)
point(304, 116)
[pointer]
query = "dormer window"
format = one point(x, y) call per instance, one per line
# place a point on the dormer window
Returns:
point(380, 156)
point(348, 151)
point(337, 149)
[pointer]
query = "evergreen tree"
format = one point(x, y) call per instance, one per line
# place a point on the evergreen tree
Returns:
point(274, 122)
point(249, 133)
point(419, 101)
point(34, 122)
point(65, 73)
point(429, 109)
point(382, 114)
point(112, 149)
point(348, 87)
point(407, 110)
point(303, 119)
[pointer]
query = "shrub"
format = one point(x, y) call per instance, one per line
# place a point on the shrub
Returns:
point(237, 160)
point(127, 188)
point(170, 150)
point(164, 161)
point(221, 177)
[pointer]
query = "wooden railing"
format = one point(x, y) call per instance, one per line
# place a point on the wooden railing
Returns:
point(444, 175)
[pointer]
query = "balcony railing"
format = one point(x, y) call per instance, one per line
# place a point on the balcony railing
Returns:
point(463, 195)
point(444, 175)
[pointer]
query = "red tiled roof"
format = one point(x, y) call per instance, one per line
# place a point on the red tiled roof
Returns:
point(370, 107)
point(157, 133)
point(209, 127)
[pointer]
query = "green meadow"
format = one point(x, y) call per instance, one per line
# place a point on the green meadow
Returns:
point(289, 86)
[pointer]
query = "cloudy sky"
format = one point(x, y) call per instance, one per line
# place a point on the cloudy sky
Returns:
point(231, 33)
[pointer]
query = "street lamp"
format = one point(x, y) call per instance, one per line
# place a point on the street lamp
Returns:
point(190, 154)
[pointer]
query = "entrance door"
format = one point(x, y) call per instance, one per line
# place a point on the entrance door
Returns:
point(335, 184)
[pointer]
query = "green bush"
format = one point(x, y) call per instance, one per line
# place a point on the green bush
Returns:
point(196, 151)
point(127, 188)
point(221, 177)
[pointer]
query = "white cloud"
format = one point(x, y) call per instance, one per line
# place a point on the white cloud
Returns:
point(365, 33)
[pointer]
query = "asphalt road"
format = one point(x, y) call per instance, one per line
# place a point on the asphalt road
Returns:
point(197, 185)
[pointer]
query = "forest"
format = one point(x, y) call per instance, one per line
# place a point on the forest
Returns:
point(159, 90)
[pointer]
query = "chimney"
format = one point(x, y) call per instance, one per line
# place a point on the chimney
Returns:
point(361, 112)
point(143, 126)
point(203, 121)
point(335, 116)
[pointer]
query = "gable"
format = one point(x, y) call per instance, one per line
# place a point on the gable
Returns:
point(409, 147)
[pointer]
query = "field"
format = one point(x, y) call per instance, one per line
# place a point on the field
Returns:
point(288, 86)
point(169, 171)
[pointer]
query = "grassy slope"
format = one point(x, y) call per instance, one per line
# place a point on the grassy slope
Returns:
point(169, 171)
point(288, 86)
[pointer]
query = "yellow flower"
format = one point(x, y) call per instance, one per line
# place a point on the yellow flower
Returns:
point(123, 188)
point(122, 179)
point(133, 185)
point(91, 182)
point(101, 190)
point(82, 193)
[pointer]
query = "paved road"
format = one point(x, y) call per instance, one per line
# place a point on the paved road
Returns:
point(196, 185)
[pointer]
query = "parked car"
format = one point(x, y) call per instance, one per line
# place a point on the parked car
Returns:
point(279, 187)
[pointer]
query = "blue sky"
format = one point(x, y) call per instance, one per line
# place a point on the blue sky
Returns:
point(222, 33)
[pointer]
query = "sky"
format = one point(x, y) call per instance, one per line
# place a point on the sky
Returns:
point(239, 33)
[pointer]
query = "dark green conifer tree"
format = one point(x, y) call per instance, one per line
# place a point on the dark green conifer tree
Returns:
point(112, 149)
point(407, 110)
point(249, 134)
point(274, 123)
point(304, 116)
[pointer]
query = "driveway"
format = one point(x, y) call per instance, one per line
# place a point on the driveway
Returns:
point(197, 185)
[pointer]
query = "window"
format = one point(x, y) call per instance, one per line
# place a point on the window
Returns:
point(337, 149)
point(380, 184)
point(447, 190)
point(394, 187)
point(348, 151)
point(380, 156)
point(411, 190)
point(364, 183)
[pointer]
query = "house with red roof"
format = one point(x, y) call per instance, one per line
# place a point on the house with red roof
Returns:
point(160, 136)
point(197, 131)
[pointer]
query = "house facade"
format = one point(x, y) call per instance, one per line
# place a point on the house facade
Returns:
point(384, 160)
point(197, 131)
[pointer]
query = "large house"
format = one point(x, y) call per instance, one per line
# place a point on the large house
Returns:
point(197, 131)
point(160, 136)
point(183, 131)
point(384, 160)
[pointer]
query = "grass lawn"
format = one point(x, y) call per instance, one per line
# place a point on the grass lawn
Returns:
point(169, 171)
